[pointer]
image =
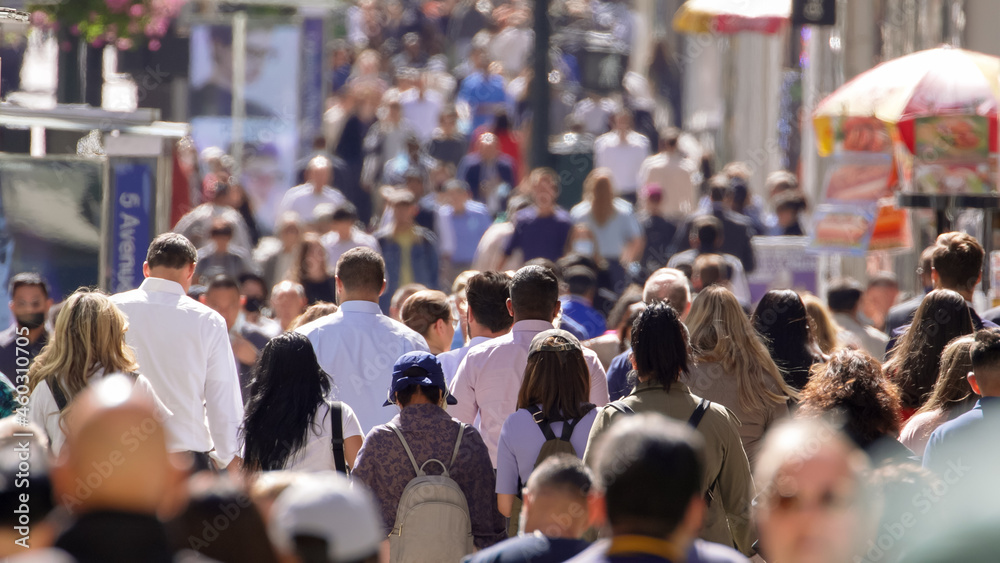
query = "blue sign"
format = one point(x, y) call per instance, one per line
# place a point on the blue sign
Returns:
point(312, 82)
point(131, 223)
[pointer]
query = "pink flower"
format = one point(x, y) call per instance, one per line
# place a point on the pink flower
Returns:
point(118, 6)
point(74, 29)
point(137, 10)
point(97, 43)
point(66, 46)
point(154, 45)
point(133, 28)
point(124, 44)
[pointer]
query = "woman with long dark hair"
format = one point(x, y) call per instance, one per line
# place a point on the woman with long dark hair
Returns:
point(287, 424)
point(952, 396)
point(915, 361)
point(782, 322)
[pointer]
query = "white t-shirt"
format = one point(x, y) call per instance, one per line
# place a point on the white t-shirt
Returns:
point(317, 454)
point(44, 411)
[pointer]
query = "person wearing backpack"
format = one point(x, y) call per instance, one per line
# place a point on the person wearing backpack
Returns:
point(88, 344)
point(431, 474)
point(553, 416)
point(660, 356)
point(291, 405)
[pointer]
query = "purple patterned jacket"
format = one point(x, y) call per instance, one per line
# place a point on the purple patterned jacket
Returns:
point(383, 466)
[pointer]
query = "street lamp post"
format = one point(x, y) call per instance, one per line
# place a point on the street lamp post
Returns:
point(540, 90)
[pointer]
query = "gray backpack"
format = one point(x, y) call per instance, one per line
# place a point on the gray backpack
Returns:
point(432, 520)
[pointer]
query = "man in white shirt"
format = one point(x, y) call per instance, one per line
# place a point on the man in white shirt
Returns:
point(421, 106)
point(183, 349)
point(489, 378)
point(672, 172)
point(358, 345)
point(622, 150)
point(316, 191)
point(344, 234)
point(486, 294)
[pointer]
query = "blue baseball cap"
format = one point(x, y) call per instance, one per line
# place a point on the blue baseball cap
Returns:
point(418, 368)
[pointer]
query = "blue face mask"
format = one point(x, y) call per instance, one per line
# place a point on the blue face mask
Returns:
point(584, 247)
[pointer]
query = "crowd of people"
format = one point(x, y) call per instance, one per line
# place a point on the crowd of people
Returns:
point(431, 354)
point(229, 423)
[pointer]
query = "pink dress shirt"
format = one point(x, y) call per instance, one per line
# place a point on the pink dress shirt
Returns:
point(489, 379)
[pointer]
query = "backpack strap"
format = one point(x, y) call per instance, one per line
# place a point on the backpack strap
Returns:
point(416, 468)
point(570, 425)
point(698, 413)
point(337, 436)
point(458, 442)
point(543, 425)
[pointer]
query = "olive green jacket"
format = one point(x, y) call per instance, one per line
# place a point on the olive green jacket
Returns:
point(727, 479)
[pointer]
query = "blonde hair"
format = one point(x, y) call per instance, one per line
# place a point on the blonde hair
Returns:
point(721, 332)
point(824, 327)
point(89, 335)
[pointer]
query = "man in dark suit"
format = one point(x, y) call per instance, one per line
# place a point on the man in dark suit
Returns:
point(485, 171)
point(736, 229)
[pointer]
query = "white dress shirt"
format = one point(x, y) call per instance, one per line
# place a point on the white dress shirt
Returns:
point(46, 414)
point(623, 158)
point(335, 247)
point(303, 200)
point(489, 379)
point(675, 175)
point(453, 358)
point(357, 346)
point(183, 349)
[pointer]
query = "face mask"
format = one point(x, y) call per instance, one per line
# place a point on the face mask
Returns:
point(584, 247)
point(32, 321)
point(253, 304)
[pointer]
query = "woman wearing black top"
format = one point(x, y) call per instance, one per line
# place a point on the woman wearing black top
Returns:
point(311, 270)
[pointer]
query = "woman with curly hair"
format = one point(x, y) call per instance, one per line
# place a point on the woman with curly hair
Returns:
point(852, 389)
point(942, 316)
point(952, 396)
point(733, 367)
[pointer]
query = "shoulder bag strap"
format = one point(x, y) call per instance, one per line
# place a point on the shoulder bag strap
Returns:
point(698, 413)
point(458, 442)
point(621, 407)
point(57, 393)
point(337, 436)
point(406, 447)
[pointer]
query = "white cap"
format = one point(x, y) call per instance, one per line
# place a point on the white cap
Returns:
point(325, 505)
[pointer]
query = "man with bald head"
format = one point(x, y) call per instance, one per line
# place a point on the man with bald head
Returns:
point(288, 301)
point(114, 474)
point(304, 199)
point(667, 285)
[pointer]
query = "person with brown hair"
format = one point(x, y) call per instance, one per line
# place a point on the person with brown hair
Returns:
point(828, 332)
point(428, 313)
point(852, 386)
point(611, 219)
point(312, 271)
point(315, 311)
point(553, 398)
point(952, 396)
